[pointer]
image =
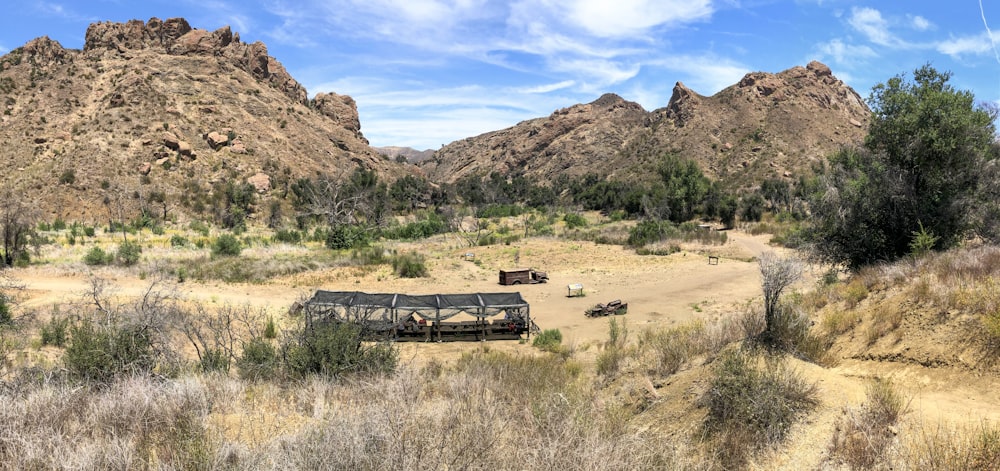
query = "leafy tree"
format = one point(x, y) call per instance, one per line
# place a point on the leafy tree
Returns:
point(920, 169)
point(685, 187)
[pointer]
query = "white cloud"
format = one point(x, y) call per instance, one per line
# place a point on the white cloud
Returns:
point(548, 87)
point(842, 53)
point(920, 23)
point(869, 21)
point(706, 75)
point(974, 45)
point(631, 18)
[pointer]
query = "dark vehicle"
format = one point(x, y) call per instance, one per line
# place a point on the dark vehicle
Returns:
point(616, 307)
point(522, 276)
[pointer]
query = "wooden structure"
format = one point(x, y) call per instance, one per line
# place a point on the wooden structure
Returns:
point(403, 317)
point(574, 289)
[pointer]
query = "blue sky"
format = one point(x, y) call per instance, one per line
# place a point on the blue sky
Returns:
point(427, 72)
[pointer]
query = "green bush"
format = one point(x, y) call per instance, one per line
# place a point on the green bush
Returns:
point(178, 241)
point(288, 236)
point(214, 359)
point(342, 237)
point(129, 252)
point(270, 329)
point(258, 361)
point(227, 245)
point(335, 349)
point(550, 340)
point(102, 353)
point(499, 211)
point(574, 221)
point(409, 265)
point(199, 227)
point(97, 256)
point(55, 331)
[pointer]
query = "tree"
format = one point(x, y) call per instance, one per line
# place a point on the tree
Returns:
point(921, 163)
point(17, 223)
point(777, 273)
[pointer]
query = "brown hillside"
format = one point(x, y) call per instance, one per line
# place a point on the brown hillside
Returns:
point(161, 106)
point(766, 125)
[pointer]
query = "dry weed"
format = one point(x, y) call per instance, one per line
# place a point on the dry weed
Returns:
point(864, 437)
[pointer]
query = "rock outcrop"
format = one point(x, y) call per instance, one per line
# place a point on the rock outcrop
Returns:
point(176, 37)
point(768, 125)
point(161, 106)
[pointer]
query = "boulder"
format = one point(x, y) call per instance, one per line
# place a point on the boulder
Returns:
point(170, 140)
point(261, 182)
point(237, 147)
point(217, 139)
point(145, 168)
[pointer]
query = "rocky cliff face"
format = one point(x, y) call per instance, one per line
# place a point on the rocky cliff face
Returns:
point(161, 107)
point(767, 125)
point(573, 141)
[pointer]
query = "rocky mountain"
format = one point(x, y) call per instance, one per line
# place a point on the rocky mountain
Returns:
point(767, 125)
point(161, 107)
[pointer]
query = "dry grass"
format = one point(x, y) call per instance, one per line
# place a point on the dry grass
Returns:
point(752, 402)
point(943, 447)
point(489, 411)
point(864, 437)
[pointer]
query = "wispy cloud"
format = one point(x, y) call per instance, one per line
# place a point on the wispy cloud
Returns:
point(968, 45)
point(845, 54)
point(633, 18)
point(920, 23)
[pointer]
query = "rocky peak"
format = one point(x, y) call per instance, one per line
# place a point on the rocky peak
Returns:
point(341, 109)
point(682, 103)
point(176, 37)
point(43, 51)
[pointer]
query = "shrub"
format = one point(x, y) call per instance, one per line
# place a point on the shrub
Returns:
point(342, 236)
point(258, 361)
point(574, 221)
point(863, 437)
point(752, 402)
point(129, 252)
point(409, 265)
point(178, 241)
point(55, 331)
point(550, 340)
point(101, 353)
point(213, 359)
point(97, 256)
point(610, 359)
point(227, 245)
point(288, 236)
point(199, 227)
point(336, 349)
point(270, 329)
point(6, 311)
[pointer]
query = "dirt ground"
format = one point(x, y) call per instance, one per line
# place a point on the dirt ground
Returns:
point(659, 290)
